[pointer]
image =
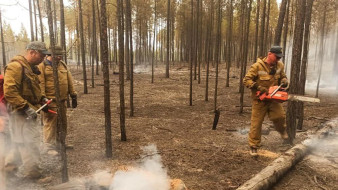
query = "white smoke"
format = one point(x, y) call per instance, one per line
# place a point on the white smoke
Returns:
point(149, 175)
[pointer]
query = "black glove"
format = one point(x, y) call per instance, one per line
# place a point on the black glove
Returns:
point(44, 100)
point(284, 82)
point(30, 112)
point(262, 89)
point(74, 101)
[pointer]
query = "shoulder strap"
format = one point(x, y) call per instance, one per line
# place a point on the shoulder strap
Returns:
point(28, 80)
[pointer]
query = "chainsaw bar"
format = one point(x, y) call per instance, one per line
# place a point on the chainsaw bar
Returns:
point(293, 97)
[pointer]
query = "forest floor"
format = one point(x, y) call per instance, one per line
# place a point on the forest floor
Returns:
point(203, 158)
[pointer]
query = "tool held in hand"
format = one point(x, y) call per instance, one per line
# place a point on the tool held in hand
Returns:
point(44, 105)
point(277, 93)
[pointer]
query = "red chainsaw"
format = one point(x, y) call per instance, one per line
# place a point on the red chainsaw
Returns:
point(279, 94)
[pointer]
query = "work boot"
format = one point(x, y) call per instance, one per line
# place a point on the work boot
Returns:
point(253, 152)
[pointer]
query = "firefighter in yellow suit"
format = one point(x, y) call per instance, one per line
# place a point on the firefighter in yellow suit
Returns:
point(263, 74)
point(48, 90)
point(22, 93)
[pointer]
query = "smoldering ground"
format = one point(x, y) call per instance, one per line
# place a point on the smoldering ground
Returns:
point(147, 173)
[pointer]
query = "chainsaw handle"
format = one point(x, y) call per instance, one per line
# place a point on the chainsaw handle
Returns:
point(261, 96)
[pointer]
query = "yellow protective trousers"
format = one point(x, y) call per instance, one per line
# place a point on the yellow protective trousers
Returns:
point(275, 113)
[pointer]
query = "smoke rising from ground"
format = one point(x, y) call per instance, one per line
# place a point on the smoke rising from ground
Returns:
point(149, 175)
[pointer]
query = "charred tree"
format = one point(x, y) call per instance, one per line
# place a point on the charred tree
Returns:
point(218, 48)
point(154, 44)
point(229, 42)
point(321, 48)
point(245, 58)
point(62, 30)
point(35, 22)
point(40, 18)
point(302, 78)
point(278, 31)
point(130, 37)
point(286, 28)
point(121, 69)
point(83, 55)
point(94, 43)
point(168, 40)
point(191, 52)
point(261, 37)
point(208, 47)
point(105, 68)
point(256, 33)
point(295, 68)
point(61, 108)
point(31, 19)
point(2, 44)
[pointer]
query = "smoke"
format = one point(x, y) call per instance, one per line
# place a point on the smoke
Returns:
point(326, 147)
point(329, 72)
point(149, 174)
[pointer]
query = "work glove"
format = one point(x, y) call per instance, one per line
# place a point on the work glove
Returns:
point(284, 82)
point(30, 112)
point(262, 89)
point(44, 100)
point(74, 101)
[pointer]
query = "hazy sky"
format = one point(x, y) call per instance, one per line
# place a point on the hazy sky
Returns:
point(15, 12)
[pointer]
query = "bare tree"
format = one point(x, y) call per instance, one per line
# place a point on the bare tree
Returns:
point(61, 116)
point(295, 68)
point(121, 69)
point(105, 65)
point(36, 24)
point(168, 40)
point(130, 37)
point(321, 48)
point(2, 44)
point(154, 44)
point(94, 43)
point(256, 33)
point(31, 19)
point(83, 55)
point(191, 52)
point(40, 18)
point(279, 27)
point(218, 48)
point(261, 37)
point(229, 41)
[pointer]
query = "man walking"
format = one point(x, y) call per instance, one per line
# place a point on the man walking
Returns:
point(48, 90)
point(22, 93)
point(263, 74)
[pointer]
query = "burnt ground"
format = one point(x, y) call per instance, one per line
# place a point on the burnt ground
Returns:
point(190, 150)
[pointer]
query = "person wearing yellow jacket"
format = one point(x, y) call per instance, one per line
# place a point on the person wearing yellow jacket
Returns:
point(48, 90)
point(263, 74)
point(23, 95)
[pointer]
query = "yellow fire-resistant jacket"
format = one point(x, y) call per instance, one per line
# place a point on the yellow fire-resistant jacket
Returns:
point(21, 85)
point(47, 80)
point(259, 75)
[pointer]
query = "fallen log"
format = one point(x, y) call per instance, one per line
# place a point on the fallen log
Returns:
point(274, 171)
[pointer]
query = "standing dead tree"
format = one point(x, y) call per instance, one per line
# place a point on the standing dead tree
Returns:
point(168, 40)
point(83, 52)
point(105, 67)
point(295, 68)
point(279, 27)
point(121, 69)
point(31, 19)
point(61, 113)
point(2, 44)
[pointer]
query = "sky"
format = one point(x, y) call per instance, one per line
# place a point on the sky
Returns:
point(15, 12)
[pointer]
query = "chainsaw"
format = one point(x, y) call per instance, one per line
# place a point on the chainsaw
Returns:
point(279, 94)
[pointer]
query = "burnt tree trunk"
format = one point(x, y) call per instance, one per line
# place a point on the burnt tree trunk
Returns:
point(191, 52)
point(261, 37)
point(40, 18)
point(302, 78)
point(121, 69)
point(229, 42)
point(130, 37)
point(218, 48)
point(168, 40)
point(278, 32)
point(105, 68)
point(295, 68)
point(31, 19)
point(83, 55)
point(256, 33)
point(2, 44)
point(61, 108)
